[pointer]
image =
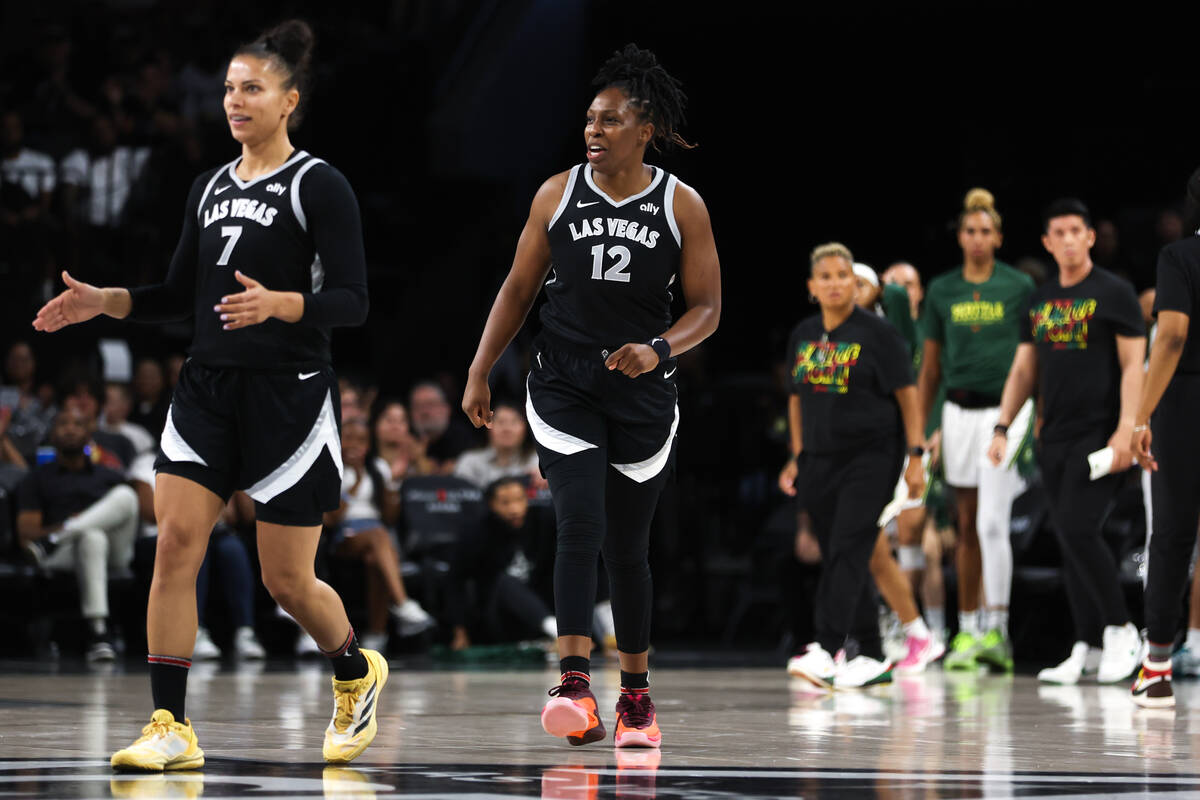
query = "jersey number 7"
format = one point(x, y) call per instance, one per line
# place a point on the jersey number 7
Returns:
point(233, 232)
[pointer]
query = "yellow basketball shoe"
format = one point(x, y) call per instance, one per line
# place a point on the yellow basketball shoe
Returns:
point(353, 726)
point(164, 744)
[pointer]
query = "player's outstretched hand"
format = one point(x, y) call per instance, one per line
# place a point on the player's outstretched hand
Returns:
point(241, 310)
point(477, 402)
point(633, 360)
point(79, 303)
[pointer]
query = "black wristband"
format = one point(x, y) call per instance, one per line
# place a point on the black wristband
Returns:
point(1000, 430)
point(662, 347)
point(916, 450)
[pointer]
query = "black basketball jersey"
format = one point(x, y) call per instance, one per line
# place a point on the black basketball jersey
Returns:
point(614, 263)
point(295, 229)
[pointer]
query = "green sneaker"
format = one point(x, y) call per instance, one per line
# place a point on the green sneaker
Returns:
point(996, 651)
point(963, 651)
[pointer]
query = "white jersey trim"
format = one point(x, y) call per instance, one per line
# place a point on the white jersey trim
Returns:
point(549, 437)
point(241, 184)
point(174, 446)
point(297, 208)
point(324, 434)
point(669, 209)
point(562, 204)
point(643, 471)
point(587, 176)
point(318, 274)
point(208, 188)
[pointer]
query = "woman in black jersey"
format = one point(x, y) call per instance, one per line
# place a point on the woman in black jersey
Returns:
point(610, 240)
point(269, 260)
point(1166, 418)
point(852, 411)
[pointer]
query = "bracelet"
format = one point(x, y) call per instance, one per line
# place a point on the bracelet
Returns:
point(1000, 430)
point(662, 347)
point(1140, 428)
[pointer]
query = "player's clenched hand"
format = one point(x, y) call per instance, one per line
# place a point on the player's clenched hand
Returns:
point(1140, 443)
point(255, 305)
point(633, 360)
point(477, 402)
point(79, 303)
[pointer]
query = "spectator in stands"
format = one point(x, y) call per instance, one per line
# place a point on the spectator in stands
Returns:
point(118, 402)
point(360, 528)
point(57, 108)
point(509, 452)
point(83, 392)
point(352, 404)
point(906, 275)
point(443, 440)
point(31, 417)
point(12, 464)
point(498, 560)
point(74, 515)
point(27, 180)
point(151, 399)
point(397, 454)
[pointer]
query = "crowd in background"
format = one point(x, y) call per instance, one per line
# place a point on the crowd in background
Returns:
point(93, 169)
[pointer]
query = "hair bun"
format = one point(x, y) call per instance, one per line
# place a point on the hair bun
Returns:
point(979, 199)
point(293, 41)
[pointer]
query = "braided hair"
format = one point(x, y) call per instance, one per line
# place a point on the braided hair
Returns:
point(651, 90)
point(288, 46)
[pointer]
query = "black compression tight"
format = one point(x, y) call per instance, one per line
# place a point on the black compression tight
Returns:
point(600, 510)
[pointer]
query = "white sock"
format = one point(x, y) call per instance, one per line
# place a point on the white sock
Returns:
point(937, 619)
point(968, 621)
point(917, 628)
point(550, 627)
point(1193, 640)
point(997, 619)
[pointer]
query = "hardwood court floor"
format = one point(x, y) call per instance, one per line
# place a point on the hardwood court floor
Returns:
point(747, 732)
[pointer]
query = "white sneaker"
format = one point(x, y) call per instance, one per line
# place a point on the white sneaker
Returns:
point(412, 618)
point(204, 649)
point(373, 641)
point(815, 666)
point(1120, 657)
point(246, 644)
point(1071, 669)
point(307, 645)
point(862, 671)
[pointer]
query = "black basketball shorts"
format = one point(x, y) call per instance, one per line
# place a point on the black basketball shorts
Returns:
point(275, 435)
point(575, 403)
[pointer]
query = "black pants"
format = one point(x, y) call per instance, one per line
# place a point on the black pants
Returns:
point(844, 494)
point(512, 610)
point(1175, 490)
point(600, 510)
point(1078, 508)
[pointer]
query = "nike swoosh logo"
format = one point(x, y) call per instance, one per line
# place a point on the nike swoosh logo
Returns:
point(581, 204)
point(306, 375)
point(669, 374)
point(218, 191)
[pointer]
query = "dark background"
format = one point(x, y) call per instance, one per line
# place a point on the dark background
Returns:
point(842, 121)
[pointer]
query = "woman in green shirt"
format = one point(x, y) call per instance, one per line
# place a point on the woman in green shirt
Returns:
point(971, 328)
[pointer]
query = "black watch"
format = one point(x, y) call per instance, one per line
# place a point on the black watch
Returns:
point(916, 450)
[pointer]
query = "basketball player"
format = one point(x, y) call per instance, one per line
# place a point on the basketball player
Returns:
point(270, 259)
point(1166, 418)
point(972, 322)
point(611, 240)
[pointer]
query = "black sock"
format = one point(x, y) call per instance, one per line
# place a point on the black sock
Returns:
point(634, 682)
point(349, 664)
point(168, 683)
point(576, 666)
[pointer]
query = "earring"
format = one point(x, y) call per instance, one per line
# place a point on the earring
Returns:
point(812, 298)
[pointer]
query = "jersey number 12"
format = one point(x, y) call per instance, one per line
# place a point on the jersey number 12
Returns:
point(233, 232)
point(617, 271)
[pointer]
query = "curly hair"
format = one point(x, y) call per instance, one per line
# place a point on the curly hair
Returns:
point(657, 95)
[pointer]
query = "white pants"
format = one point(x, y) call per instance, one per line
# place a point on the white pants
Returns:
point(99, 537)
point(966, 434)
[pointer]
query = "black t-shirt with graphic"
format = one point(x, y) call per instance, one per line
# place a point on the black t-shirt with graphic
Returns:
point(1178, 289)
point(846, 379)
point(1074, 330)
